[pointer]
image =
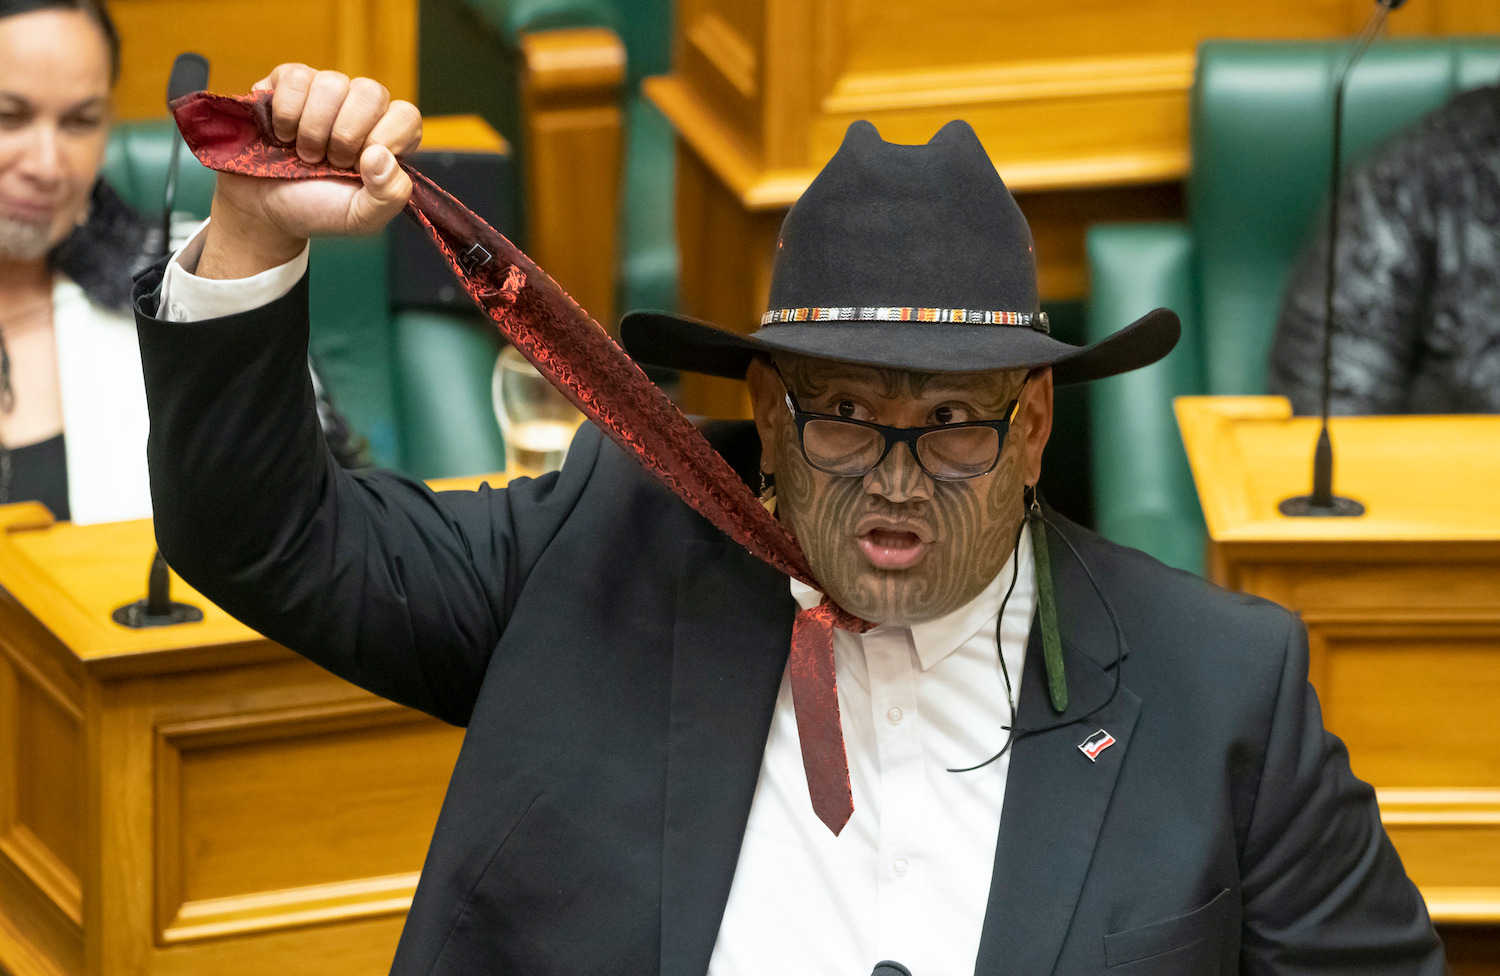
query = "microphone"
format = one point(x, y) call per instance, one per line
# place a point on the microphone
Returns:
point(1322, 502)
point(888, 967)
point(157, 609)
point(189, 74)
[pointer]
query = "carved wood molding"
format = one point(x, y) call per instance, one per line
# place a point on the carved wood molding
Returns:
point(43, 868)
point(19, 844)
point(868, 93)
point(726, 51)
point(1448, 812)
point(180, 920)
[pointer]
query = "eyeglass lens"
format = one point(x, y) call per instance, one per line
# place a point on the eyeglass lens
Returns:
point(849, 449)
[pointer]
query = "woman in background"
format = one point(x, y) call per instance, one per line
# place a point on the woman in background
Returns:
point(67, 248)
point(73, 420)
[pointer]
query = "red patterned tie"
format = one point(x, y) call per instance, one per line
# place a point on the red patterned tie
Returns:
point(234, 135)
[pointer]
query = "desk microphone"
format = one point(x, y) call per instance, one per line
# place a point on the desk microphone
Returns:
point(157, 608)
point(888, 967)
point(189, 74)
point(1322, 501)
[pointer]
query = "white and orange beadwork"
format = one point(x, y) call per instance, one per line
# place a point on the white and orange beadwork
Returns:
point(965, 316)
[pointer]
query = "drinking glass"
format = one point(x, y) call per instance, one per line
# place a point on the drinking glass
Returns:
point(537, 421)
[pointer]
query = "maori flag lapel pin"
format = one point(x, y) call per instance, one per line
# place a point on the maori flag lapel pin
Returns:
point(1096, 744)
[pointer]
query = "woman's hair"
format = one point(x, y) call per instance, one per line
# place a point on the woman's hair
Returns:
point(94, 9)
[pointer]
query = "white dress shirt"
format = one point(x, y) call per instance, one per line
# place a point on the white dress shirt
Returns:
point(185, 297)
point(909, 877)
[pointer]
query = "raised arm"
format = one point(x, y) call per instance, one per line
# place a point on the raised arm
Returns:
point(373, 576)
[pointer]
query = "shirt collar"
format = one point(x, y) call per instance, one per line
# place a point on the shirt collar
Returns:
point(936, 639)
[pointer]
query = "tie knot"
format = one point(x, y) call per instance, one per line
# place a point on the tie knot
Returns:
point(831, 613)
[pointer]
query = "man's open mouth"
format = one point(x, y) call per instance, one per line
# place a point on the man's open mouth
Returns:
point(892, 548)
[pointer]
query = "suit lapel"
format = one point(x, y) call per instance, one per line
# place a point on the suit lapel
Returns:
point(733, 634)
point(1055, 797)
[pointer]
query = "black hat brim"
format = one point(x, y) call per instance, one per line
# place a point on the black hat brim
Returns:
point(678, 342)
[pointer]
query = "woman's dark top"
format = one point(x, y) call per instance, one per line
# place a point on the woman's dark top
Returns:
point(39, 472)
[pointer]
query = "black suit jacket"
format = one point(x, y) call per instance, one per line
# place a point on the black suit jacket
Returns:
point(616, 661)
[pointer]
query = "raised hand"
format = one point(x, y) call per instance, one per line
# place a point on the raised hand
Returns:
point(352, 124)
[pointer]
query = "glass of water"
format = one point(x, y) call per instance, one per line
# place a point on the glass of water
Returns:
point(537, 421)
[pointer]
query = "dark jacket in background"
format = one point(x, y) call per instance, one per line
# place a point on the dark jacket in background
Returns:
point(1417, 299)
point(616, 661)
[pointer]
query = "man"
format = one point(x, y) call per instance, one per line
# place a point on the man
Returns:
point(1417, 279)
point(1152, 793)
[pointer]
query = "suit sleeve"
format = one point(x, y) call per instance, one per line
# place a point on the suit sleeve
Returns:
point(1324, 891)
point(396, 588)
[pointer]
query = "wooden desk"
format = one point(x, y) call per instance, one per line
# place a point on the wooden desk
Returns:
point(245, 39)
point(1402, 608)
point(193, 799)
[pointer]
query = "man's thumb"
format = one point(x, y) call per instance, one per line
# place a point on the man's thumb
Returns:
point(383, 177)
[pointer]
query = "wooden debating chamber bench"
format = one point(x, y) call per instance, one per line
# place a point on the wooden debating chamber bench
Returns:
point(191, 799)
point(1402, 607)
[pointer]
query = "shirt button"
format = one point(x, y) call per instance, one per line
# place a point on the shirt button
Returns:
point(178, 313)
point(894, 715)
point(899, 866)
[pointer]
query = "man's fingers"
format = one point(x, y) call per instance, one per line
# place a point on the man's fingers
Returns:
point(363, 107)
point(291, 83)
point(400, 129)
point(325, 96)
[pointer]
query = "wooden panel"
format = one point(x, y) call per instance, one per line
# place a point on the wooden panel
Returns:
point(264, 821)
point(1408, 701)
point(570, 96)
point(1063, 94)
point(244, 39)
point(726, 274)
point(36, 939)
point(41, 781)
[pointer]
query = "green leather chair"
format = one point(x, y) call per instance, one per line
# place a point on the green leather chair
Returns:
point(470, 62)
point(1261, 115)
point(415, 383)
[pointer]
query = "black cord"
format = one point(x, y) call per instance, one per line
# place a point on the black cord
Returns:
point(1015, 574)
point(1120, 644)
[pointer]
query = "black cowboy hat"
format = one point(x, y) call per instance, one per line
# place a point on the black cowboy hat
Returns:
point(907, 256)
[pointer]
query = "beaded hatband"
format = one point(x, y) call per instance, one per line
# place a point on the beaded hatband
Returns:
point(967, 316)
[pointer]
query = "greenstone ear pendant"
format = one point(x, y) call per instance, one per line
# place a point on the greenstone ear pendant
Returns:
point(1057, 679)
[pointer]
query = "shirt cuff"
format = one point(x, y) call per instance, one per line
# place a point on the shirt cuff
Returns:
point(185, 297)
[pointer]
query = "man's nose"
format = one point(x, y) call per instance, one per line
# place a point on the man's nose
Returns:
point(899, 478)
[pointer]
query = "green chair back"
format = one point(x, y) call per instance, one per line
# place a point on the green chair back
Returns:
point(1262, 114)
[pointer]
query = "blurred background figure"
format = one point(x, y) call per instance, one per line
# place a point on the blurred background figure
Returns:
point(68, 245)
point(1417, 286)
point(72, 407)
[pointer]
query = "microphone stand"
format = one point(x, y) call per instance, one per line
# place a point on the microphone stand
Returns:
point(1322, 502)
point(157, 608)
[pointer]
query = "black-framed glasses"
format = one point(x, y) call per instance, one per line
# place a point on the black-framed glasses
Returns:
point(854, 448)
